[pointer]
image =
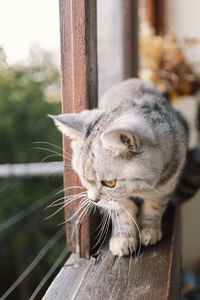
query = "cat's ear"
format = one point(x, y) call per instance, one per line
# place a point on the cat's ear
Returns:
point(74, 125)
point(120, 139)
point(70, 125)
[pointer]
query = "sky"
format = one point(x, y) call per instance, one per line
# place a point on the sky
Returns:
point(26, 23)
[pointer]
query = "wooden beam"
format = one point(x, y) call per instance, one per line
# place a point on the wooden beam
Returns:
point(155, 274)
point(155, 11)
point(79, 92)
point(130, 38)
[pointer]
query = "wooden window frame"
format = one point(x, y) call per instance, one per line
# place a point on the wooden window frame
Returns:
point(155, 14)
point(156, 273)
point(79, 86)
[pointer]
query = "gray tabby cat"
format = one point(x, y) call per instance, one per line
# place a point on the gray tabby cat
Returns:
point(133, 148)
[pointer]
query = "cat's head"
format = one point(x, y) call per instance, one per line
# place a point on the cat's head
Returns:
point(114, 158)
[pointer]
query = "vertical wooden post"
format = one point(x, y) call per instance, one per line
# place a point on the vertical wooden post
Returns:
point(155, 15)
point(79, 92)
point(130, 38)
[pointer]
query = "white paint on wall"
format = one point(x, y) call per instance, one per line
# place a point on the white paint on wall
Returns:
point(109, 43)
point(184, 17)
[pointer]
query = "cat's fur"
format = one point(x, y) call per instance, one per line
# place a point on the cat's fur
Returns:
point(189, 182)
point(137, 139)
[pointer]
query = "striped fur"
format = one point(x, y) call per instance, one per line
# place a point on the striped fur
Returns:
point(189, 182)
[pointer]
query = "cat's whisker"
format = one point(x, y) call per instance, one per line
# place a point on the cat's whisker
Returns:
point(113, 209)
point(50, 144)
point(82, 215)
point(80, 218)
point(112, 225)
point(152, 188)
point(102, 220)
point(57, 211)
point(130, 256)
point(70, 187)
point(79, 194)
point(64, 164)
point(74, 195)
point(69, 166)
point(48, 156)
point(130, 235)
point(66, 202)
point(54, 152)
point(103, 231)
point(120, 234)
point(128, 232)
point(106, 230)
point(73, 199)
point(49, 150)
point(55, 146)
point(83, 203)
point(67, 198)
point(100, 233)
point(139, 233)
point(108, 223)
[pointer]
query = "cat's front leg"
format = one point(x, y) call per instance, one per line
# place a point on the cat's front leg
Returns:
point(150, 220)
point(124, 237)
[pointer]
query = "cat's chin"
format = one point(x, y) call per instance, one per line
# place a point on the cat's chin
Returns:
point(109, 205)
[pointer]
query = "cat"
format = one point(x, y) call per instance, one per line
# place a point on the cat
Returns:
point(129, 154)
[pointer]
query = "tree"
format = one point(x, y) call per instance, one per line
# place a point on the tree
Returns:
point(27, 94)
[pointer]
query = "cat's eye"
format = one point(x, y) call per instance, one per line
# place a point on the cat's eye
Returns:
point(109, 183)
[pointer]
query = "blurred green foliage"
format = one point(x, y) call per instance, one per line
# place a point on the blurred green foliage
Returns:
point(24, 105)
point(27, 94)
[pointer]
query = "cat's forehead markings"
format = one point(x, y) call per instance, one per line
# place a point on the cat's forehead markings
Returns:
point(88, 170)
point(99, 126)
point(96, 129)
point(92, 125)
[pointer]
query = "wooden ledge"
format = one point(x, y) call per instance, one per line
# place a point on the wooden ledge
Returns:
point(154, 275)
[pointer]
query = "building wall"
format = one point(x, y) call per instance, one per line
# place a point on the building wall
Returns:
point(183, 17)
point(109, 43)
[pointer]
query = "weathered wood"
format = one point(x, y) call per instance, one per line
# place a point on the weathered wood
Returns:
point(79, 92)
point(130, 38)
point(154, 275)
point(175, 275)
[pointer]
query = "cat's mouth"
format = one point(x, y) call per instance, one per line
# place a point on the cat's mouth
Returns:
point(107, 204)
point(95, 201)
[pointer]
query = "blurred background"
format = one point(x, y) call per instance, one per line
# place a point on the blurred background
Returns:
point(29, 90)
point(33, 245)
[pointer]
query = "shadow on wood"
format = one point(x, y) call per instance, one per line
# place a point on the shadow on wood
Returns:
point(154, 275)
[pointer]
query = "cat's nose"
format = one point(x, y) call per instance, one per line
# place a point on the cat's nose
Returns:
point(95, 200)
point(93, 195)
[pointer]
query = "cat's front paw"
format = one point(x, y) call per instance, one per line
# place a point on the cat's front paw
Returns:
point(150, 236)
point(123, 245)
